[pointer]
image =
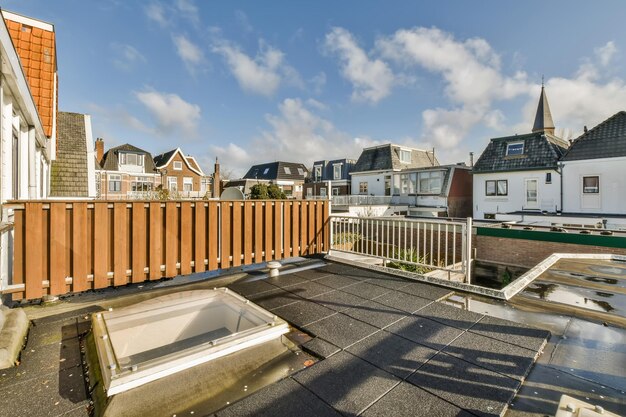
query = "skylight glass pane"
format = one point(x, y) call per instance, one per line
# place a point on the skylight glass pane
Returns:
point(515, 148)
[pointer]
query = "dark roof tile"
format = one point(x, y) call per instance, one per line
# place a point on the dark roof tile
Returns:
point(606, 140)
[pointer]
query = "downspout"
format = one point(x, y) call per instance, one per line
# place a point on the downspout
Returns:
point(560, 167)
point(32, 174)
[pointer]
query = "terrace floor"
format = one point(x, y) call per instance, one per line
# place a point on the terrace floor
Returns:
point(386, 345)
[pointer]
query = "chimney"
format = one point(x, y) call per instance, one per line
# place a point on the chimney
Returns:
point(217, 181)
point(99, 150)
point(471, 159)
point(585, 129)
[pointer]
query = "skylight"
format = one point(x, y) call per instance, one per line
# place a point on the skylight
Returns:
point(515, 148)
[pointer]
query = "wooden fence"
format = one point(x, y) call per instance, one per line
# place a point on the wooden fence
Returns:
point(63, 246)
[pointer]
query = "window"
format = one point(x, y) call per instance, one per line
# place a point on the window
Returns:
point(309, 192)
point(591, 185)
point(515, 148)
point(405, 156)
point(430, 182)
point(363, 187)
point(405, 184)
point(300, 171)
point(115, 183)
point(335, 191)
point(548, 178)
point(187, 184)
point(141, 184)
point(131, 159)
point(178, 166)
point(172, 183)
point(337, 171)
point(496, 187)
point(287, 170)
point(318, 172)
point(265, 171)
point(323, 192)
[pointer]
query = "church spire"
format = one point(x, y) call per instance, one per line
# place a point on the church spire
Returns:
point(543, 119)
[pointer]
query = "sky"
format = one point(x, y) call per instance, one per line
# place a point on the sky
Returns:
point(253, 82)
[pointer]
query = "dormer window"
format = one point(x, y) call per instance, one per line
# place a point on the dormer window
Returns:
point(287, 170)
point(337, 171)
point(515, 148)
point(178, 166)
point(318, 172)
point(131, 159)
point(405, 156)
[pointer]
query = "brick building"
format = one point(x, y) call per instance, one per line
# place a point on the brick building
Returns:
point(182, 174)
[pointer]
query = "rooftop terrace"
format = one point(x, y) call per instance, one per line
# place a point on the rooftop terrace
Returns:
point(386, 346)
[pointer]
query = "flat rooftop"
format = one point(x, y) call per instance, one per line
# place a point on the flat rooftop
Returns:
point(386, 346)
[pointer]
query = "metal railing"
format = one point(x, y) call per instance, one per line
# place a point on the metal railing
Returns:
point(360, 200)
point(424, 244)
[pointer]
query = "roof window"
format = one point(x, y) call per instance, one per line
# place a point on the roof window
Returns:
point(405, 156)
point(515, 148)
point(287, 170)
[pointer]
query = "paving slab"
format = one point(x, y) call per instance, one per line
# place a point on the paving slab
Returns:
point(450, 316)
point(475, 389)
point(406, 400)
point(425, 332)
point(270, 300)
point(303, 312)
point(366, 290)
point(286, 280)
point(247, 289)
point(338, 300)
point(320, 347)
point(430, 292)
point(388, 281)
point(510, 360)
point(378, 315)
point(285, 398)
point(511, 332)
point(346, 382)
point(402, 301)
point(312, 274)
point(340, 330)
point(337, 281)
point(308, 289)
point(392, 353)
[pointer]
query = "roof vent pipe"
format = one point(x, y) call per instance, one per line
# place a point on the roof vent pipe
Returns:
point(585, 129)
point(471, 159)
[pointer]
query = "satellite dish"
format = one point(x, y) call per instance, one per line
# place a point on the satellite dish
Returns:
point(232, 193)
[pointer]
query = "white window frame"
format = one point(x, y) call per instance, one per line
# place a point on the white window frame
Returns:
point(187, 181)
point(591, 190)
point(114, 179)
point(318, 172)
point(430, 176)
point(335, 191)
point(497, 189)
point(405, 156)
point(335, 176)
point(122, 158)
point(178, 166)
point(287, 170)
point(300, 171)
point(363, 187)
point(509, 145)
point(172, 181)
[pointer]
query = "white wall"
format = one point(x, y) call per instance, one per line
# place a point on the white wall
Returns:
point(548, 195)
point(375, 183)
point(612, 196)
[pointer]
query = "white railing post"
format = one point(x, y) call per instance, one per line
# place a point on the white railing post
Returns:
point(468, 248)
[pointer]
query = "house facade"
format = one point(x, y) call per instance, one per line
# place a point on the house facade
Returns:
point(125, 172)
point(334, 174)
point(594, 170)
point(289, 176)
point(182, 174)
point(373, 172)
point(520, 173)
point(28, 94)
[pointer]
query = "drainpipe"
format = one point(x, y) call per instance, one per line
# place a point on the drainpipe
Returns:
point(560, 167)
point(32, 173)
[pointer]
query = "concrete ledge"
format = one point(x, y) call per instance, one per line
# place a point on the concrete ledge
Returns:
point(12, 334)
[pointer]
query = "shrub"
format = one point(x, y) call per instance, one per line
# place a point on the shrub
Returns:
point(411, 256)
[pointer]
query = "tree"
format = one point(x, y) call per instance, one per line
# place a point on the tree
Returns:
point(259, 192)
point(275, 193)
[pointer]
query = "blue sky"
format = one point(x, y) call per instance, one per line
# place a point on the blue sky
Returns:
point(251, 82)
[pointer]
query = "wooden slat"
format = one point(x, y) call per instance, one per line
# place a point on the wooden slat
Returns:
point(212, 237)
point(269, 231)
point(33, 246)
point(278, 207)
point(100, 244)
point(80, 254)
point(58, 246)
point(311, 233)
point(287, 209)
point(139, 242)
point(200, 237)
point(226, 230)
point(295, 228)
point(326, 226)
point(171, 239)
point(186, 236)
point(236, 237)
point(258, 232)
point(304, 218)
point(319, 228)
point(19, 217)
point(156, 239)
point(248, 230)
point(120, 245)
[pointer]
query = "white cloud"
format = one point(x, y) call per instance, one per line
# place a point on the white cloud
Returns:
point(166, 14)
point(606, 53)
point(157, 13)
point(188, 10)
point(262, 74)
point(189, 52)
point(126, 56)
point(372, 80)
point(318, 82)
point(296, 134)
point(172, 114)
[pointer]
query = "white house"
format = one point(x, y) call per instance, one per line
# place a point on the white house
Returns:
point(594, 170)
point(520, 174)
point(373, 172)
